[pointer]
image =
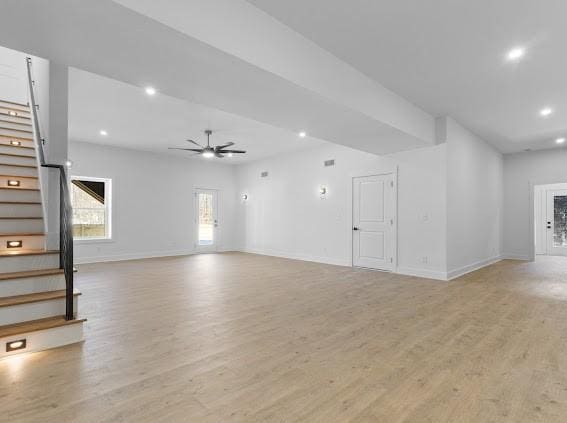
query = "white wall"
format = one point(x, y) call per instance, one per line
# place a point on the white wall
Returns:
point(152, 201)
point(474, 200)
point(521, 172)
point(284, 215)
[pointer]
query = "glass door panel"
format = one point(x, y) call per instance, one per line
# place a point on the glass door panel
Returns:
point(206, 219)
point(557, 222)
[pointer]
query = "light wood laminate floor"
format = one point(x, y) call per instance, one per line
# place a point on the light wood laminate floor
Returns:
point(246, 338)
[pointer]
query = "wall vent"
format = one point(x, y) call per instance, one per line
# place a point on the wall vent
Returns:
point(328, 163)
point(264, 174)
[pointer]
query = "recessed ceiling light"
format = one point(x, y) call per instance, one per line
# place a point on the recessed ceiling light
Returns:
point(103, 133)
point(229, 154)
point(546, 111)
point(516, 54)
point(560, 140)
point(150, 90)
point(302, 134)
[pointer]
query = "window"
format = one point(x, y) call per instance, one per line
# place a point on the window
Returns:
point(91, 199)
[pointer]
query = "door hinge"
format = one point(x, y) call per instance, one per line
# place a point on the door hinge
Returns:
point(392, 184)
point(391, 259)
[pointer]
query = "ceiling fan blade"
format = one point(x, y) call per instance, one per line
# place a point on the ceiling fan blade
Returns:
point(194, 142)
point(233, 151)
point(198, 150)
point(220, 147)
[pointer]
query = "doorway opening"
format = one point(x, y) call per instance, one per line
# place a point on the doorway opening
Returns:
point(206, 220)
point(550, 217)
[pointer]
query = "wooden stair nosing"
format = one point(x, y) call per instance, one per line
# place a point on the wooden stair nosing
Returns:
point(22, 234)
point(13, 137)
point(18, 146)
point(30, 274)
point(37, 325)
point(36, 297)
point(21, 218)
point(17, 176)
point(28, 253)
point(12, 122)
point(20, 202)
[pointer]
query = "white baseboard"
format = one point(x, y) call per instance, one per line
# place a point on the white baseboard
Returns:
point(422, 273)
point(512, 256)
point(455, 273)
point(139, 256)
point(302, 257)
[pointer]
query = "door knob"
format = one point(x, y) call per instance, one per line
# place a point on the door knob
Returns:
point(355, 229)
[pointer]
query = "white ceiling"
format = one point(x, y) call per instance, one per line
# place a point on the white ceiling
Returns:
point(135, 120)
point(447, 56)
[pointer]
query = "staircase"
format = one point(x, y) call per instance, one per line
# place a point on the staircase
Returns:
point(37, 301)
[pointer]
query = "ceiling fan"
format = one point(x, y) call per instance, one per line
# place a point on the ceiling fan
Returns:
point(208, 151)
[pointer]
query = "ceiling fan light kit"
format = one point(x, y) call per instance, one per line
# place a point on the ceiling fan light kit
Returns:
point(209, 152)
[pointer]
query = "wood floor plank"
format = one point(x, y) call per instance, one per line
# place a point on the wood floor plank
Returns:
point(240, 337)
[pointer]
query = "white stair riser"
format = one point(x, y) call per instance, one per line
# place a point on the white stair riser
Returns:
point(34, 311)
point(20, 210)
point(20, 226)
point(36, 242)
point(17, 170)
point(44, 339)
point(21, 263)
point(14, 133)
point(20, 118)
point(33, 285)
point(4, 123)
point(11, 149)
point(29, 183)
point(17, 160)
point(19, 195)
point(25, 142)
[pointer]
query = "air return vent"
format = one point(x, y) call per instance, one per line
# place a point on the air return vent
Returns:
point(328, 163)
point(264, 174)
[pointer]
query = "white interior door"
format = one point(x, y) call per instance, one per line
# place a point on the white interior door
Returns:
point(373, 218)
point(556, 228)
point(206, 219)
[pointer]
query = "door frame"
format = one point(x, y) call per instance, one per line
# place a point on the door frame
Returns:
point(531, 210)
point(217, 231)
point(382, 170)
point(550, 249)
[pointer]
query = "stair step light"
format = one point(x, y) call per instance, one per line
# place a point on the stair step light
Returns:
point(20, 344)
point(13, 183)
point(14, 244)
point(15, 143)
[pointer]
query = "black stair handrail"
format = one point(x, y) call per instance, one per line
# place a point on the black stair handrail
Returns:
point(65, 208)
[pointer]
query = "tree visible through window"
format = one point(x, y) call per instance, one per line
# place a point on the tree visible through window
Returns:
point(90, 198)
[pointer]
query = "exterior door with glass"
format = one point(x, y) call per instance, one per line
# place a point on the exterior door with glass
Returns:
point(206, 219)
point(556, 224)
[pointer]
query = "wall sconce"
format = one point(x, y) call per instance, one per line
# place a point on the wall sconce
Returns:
point(20, 344)
point(323, 192)
point(13, 183)
point(244, 197)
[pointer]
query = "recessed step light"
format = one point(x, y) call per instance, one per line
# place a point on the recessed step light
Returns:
point(14, 244)
point(13, 183)
point(15, 143)
point(12, 113)
point(20, 344)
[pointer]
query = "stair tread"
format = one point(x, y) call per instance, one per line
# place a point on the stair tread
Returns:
point(14, 103)
point(15, 123)
point(27, 253)
point(17, 130)
point(15, 137)
point(17, 155)
point(20, 189)
point(35, 297)
point(30, 274)
point(14, 117)
point(21, 218)
point(37, 325)
point(17, 146)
